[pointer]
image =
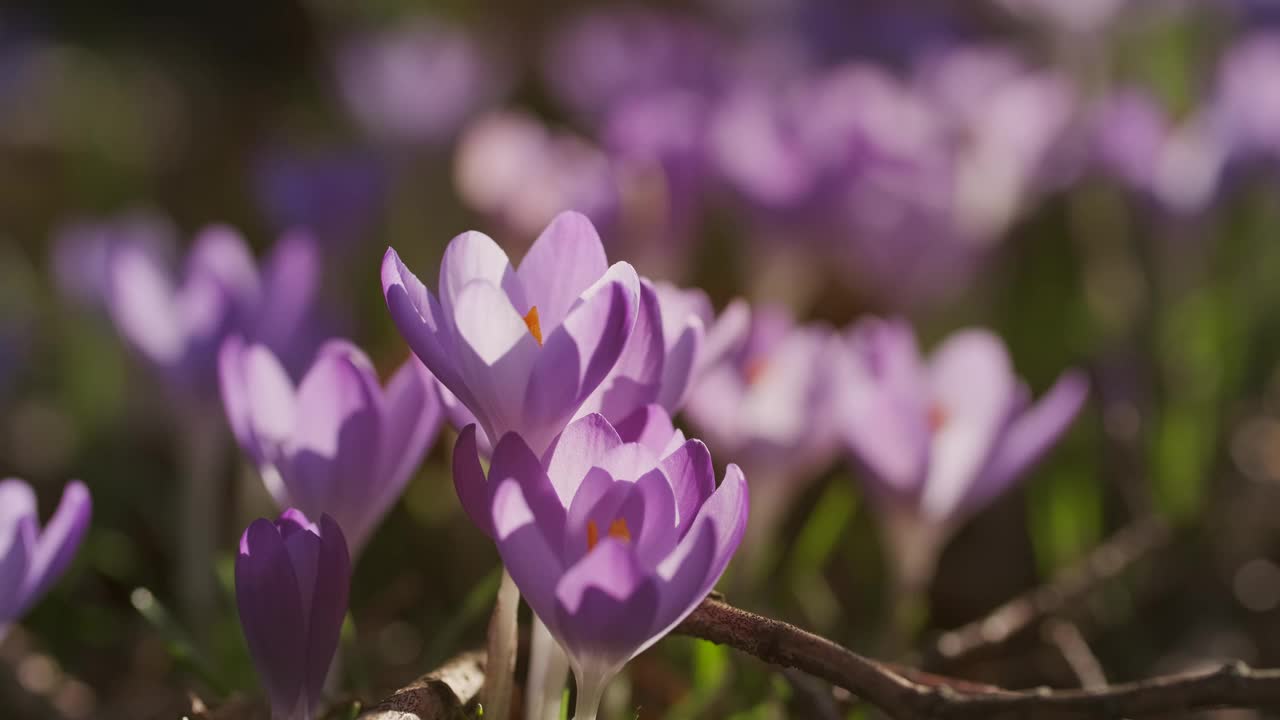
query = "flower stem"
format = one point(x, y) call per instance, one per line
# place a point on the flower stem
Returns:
point(548, 670)
point(503, 641)
point(201, 513)
point(590, 692)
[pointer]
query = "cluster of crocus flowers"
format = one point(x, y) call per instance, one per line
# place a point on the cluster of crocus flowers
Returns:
point(33, 558)
point(938, 439)
point(292, 581)
point(611, 543)
point(338, 443)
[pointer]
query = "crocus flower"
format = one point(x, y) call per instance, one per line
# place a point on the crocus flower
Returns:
point(516, 170)
point(939, 439)
point(419, 82)
point(766, 399)
point(338, 443)
point(178, 323)
point(1246, 104)
point(768, 402)
point(292, 580)
point(521, 348)
point(32, 558)
point(611, 543)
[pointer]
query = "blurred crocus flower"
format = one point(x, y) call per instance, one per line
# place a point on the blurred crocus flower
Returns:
point(658, 147)
point(768, 402)
point(419, 82)
point(1128, 132)
point(178, 323)
point(338, 443)
point(514, 169)
point(33, 558)
point(607, 56)
point(336, 194)
point(522, 348)
point(292, 580)
point(612, 544)
point(940, 439)
point(765, 401)
point(1246, 103)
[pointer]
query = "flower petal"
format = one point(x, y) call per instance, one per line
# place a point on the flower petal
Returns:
point(605, 606)
point(475, 256)
point(291, 278)
point(496, 355)
point(58, 541)
point(15, 559)
point(469, 480)
point(525, 549)
point(512, 458)
point(336, 439)
point(421, 322)
point(884, 410)
point(580, 353)
point(637, 377)
point(649, 426)
point(582, 446)
point(328, 605)
point(692, 478)
point(565, 260)
point(975, 390)
point(270, 605)
point(1030, 436)
point(411, 420)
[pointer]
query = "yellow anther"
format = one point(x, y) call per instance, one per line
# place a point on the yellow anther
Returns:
point(535, 327)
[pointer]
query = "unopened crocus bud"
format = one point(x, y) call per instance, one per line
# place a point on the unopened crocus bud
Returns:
point(292, 580)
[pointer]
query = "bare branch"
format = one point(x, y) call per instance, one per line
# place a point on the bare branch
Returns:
point(438, 695)
point(904, 693)
point(1025, 612)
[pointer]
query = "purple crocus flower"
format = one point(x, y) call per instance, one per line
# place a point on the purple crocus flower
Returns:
point(292, 580)
point(522, 348)
point(765, 399)
point(1128, 131)
point(1246, 103)
point(419, 82)
point(519, 172)
point(768, 402)
point(179, 323)
point(939, 439)
point(337, 443)
point(611, 543)
point(31, 558)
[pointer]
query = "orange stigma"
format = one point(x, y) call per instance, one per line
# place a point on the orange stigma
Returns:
point(755, 369)
point(535, 327)
point(937, 417)
point(617, 529)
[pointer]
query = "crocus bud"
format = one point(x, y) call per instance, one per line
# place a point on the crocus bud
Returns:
point(292, 579)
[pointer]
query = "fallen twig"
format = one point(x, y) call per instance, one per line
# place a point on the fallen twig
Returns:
point(1025, 612)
